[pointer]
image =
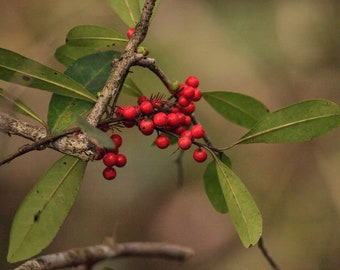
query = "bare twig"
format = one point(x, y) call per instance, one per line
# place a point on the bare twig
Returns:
point(266, 255)
point(93, 254)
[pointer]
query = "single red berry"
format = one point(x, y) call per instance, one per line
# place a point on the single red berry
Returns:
point(184, 143)
point(146, 107)
point(192, 81)
point(188, 92)
point(100, 153)
point(129, 112)
point(141, 99)
point(181, 117)
point(160, 119)
point(146, 126)
point(197, 95)
point(200, 154)
point(183, 101)
point(179, 130)
point(188, 109)
point(187, 120)
point(197, 131)
point(130, 32)
point(121, 160)
point(117, 140)
point(186, 133)
point(119, 111)
point(175, 109)
point(162, 141)
point(110, 159)
point(109, 173)
point(173, 120)
point(157, 102)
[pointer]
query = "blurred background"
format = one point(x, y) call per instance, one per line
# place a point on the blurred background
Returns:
point(280, 52)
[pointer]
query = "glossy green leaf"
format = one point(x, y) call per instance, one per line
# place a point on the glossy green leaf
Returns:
point(93, 36)
point(45, 208)
point(296, 123)
point(128, 11)
point(90, 71)
point(240, 109)
point(66, 54)
point(99, 137)
point(18, 69)
point(243, 210)
point(213, 188)
point(19, 106)
point(131, 88)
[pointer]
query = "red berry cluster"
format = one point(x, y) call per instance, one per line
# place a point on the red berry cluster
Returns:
point(112, 158)
point(168, 117)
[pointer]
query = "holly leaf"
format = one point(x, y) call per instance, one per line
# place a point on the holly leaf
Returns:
point(90, 71)
point(19, 106)
point(240, 109)
point(296, 123)
point(66, 54)
point(45, 208)
point(213, 188)
point(18, 69)
point(242, 208)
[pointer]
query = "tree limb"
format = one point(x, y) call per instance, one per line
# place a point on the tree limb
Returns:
point(93, 254)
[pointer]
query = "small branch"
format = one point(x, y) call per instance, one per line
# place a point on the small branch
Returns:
point(93, 254)
point(267, 256)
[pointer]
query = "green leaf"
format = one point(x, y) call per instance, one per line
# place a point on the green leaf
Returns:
point(18, 69)
point(243, 210)
point(213, 188)
point(240, 109)
point(131, 88)
point(66, 54)
point(90, 71)
point(45, 208)
point(99, 137)
point(19, 106)
point(128, 11)
point(296, 123)
point(93, 36)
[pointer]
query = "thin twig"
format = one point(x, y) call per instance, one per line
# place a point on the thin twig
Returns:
point(93, 254)
point(266, 255)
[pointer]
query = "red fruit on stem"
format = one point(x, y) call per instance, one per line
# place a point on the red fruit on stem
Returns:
point(173, 119)
point(121, 160)
point(200, 154)
point(117, 140)
point(146, 107)
point(130, 32)
point(110, 159)
point(100, 153)
point(188, 109)
point(188, 92)
point(183, 101)
point(192, 81)
point(141, 99)
point(197, 131)
point(129, 112)
point(109, 173)
point(160, 119)
point(146, 126)
point(162, 141)
point(197, 95)
point(184, 143)
point(186, 133)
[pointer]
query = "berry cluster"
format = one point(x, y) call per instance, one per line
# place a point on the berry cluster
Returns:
point(112, 158)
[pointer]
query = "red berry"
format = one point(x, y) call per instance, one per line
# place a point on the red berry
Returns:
point(146, 126)
point(197, 95)
point(146, 107)
point(100, 153)
point(109, 173)
point(183, 101)
point(117, 140)
point(200, 154)
point(130, 32)
point(162, 141)
point(119, 111)
point(188, 92)
point(141, 99)
point(160, 119)
point(186, 133)
point(188, 109)
point(184, 142)
point(129, 112)
point(187, 120)
point(110, 159)
point(173, 119)
point(121, 160)
point(192, 81)
point(197, 131)
point(179, 130)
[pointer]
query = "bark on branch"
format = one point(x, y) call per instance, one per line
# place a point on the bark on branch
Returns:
point(93, 254)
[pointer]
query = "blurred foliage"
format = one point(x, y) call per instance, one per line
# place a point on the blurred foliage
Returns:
point(280, 52)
